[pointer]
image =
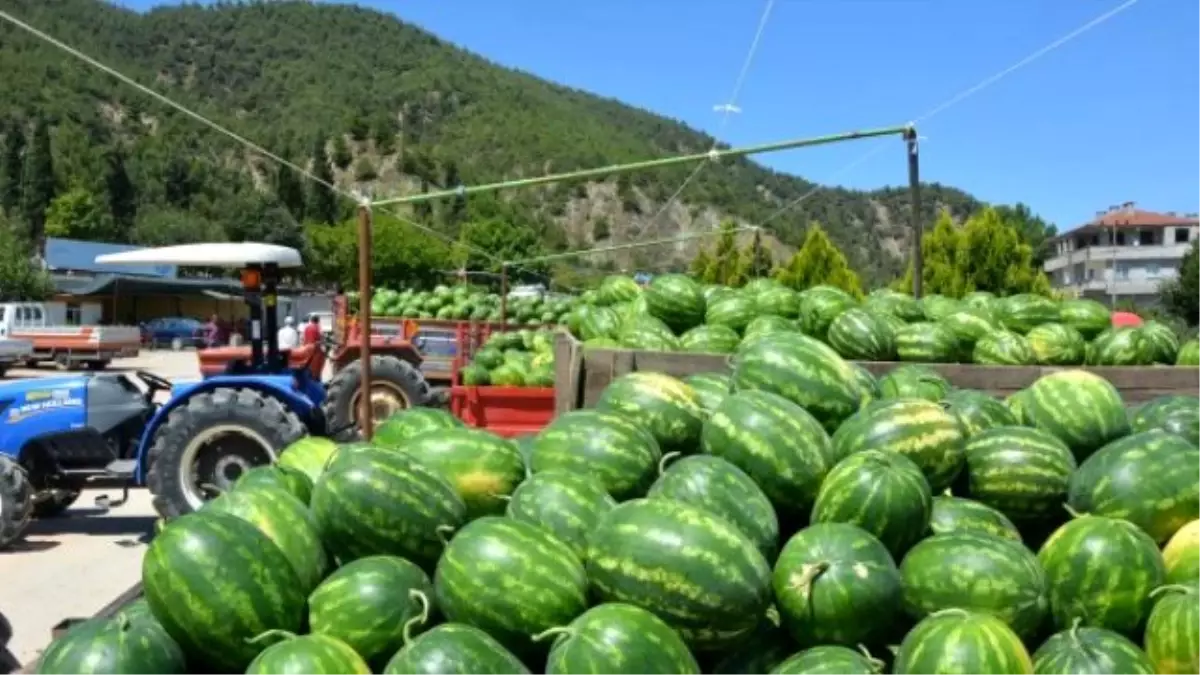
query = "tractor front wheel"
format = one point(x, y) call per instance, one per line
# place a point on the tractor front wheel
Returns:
point(207, 443)
point(54, 503)
point(395, 385)
point(16, 501)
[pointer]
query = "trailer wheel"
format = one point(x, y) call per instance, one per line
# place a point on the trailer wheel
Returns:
point(207, 443)
point(395, 386)
point(16, 501)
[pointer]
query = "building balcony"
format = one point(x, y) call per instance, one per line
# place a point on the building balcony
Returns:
point(1117, 253)
point(1118, 287)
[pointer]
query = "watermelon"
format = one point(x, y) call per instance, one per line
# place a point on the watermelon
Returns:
point(900, 305)
point(617, 638)
point(959, 641)
point(665, 406)
point(882, 492)
point(778, 300)
point(1177, 414)
point(982, 300)
point(819, 306)
point(1125, 346)
point(969, 325)
point(734, 311)
point(676, 299)
point(1021, 472)
point(862, 335)
point(289, 480)
point(382, 502)
point(1173, 630)
point(927, 342)
point(955, 514)
point(285, 521)
point(300, 655)
point(563, 503)
point(647, 333)
point(214, 582)
point(1056, 344)
point(977, 572)
point(372, 604)
point(803, 371)
point(598, 322)
point(394, 431)
point(1020, 313)
point(767, 324)
point(976, 411)
point(1189, 353)
point(1181, 555)
point(1114, 482)
point(1088, 317)
point(710, 388)
point(776, 442)
point(1081, 650)
point(1161, 343)
point(644, 552)
point(1101, 570)
point(921, 430)
point(835, 583)
point(1016, 404)
point(610, 447)
point(715, 485)
point(1081, 408)
point(709, 340)
point(830, 660)
point(911, 381)
point(121, 644)
point(455, 649)
point(759, 652)
point(510, 579)
point(483, 467)
point(309, 455)
point(936, 307)
point(615, 289)
point(1003, 348)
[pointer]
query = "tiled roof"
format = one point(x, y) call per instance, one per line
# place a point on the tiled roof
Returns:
point(1123, 218)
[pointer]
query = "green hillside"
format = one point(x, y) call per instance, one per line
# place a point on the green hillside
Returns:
point(395, 107)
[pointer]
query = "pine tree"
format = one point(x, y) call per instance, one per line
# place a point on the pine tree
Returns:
point(761, 263)
point(289, 191)
point(342, 157)
point(322, 202)
point(178, 184)
point(120, 193)
point(819, 262)
point(38, 185)
point(940, 273)
point(12, 165)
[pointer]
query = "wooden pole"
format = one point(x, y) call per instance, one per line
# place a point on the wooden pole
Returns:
point(365, 423)
point(503, 295)
point(914, 188)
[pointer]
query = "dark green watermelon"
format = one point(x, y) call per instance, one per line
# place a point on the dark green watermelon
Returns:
point(618, 638)
point(733, 310)
point(1003, 348)
point(309, 455)
point(863, 336)
point(882, 492)
point(710, 388)
point(676, 299)
point(921, 430)
point(927, 342)
point(766, 647)
point(455, 649)
point(709, 340)
point(1021, 472)
point(819, 306)
point(665, 406)
point(306, 655)
point(483, 467)
point(1176, 414)
point(565, 504)
point(411, 422)
point(287, 479)
point(829, 660)
point(912, 381)
point(1082, 650)
point(959, 641)
point(1173, 629)
point(1079, 407)
point(621, 454)
point(976, 411)
point(121, 644)
point(955, 514)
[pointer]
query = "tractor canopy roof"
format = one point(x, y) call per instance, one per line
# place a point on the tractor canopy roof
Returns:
point(238, 254)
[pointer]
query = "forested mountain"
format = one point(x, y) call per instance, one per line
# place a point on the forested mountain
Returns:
point(374, 100)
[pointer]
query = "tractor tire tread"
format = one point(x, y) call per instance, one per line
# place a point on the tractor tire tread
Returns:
point(16, 501)
point(340, 394)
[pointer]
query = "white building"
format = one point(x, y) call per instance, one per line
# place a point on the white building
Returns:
point(1123, 255)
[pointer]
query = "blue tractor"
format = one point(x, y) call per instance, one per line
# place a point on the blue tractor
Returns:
point(59, 434)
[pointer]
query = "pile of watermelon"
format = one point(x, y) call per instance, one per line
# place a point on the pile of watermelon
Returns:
point(520, 358)
point(795, 515)
point(676, 313)
point(466, 302)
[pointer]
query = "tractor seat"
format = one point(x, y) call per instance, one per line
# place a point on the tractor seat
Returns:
point(215, 361)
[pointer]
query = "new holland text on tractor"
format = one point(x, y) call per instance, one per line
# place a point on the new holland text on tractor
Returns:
point(58, 434)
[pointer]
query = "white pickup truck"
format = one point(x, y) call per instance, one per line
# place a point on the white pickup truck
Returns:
point(69, 335)
point(12, 352)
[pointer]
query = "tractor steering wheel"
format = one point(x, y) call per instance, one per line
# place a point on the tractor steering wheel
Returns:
point(153, 382)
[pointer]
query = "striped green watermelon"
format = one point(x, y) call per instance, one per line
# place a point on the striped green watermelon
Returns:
point(927, 342)
point(510, 579)
point(616, 637)
point(969, 325)
point(976, 411)
point(759, 652)
point(382, 502)
point(734, 311)
point(803, 371)
point(900, 305)
point(710, 340)
point(1016, 404)
point(214, 582)
point(765, 325)
point(1125, 346)
point(608, 446)
point(835, 583)
point(984, 300)
point(1181, 555)
point(1079, 407)
point(958, 641)
point(483, 467)
point(615, 289)
point(1161, 342)
point(921, 430)
point(955, 514)
point(1177, 414)
point(977, 572)
point(911, 381)
point(1101, 570)
point(819, 306)
point(776, 442)
point(882, 492)
point(121, 644)
point(665, 406)
point(645, 553)
point(778, 300)
point(1020, 313)
point(598, 322)
point(306, 654)
point(710, 388)
point(892, 320)
point(308, 456)
point(455, 649)
point(1148, 479)
point(371, 604)
point(566, 504)
point(830, 660)
point(862, 335)
point(936, 307)
point(1082, 650)
point(1021, 472)
point(716, 485)
point(285, 521)
point(1189, 353)
point(1088, 317)
point(411, 422)
point(714, 291)
point(1056, 344)
point(289, 480)
point(646, 333)
point(676, 299)
point(1003, 348)
point(1173, 630)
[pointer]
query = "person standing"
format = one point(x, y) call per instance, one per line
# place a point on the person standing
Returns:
point(212, 332)
point(289, 338)
point(312, 330)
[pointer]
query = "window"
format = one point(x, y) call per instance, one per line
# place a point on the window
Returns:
point(1091, 274)
point(1152, 270)
point(1182, 235)
point(74, 314)
point(1145, 238)
point(1122, 273)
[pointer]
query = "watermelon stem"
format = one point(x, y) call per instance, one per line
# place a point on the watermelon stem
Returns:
point(1073, 631)
point(809, 574)
point(1072, 512)
point(662, 463)
point(274, 634)
point(558, 630)
point(444, 532)
point(1183, 588)
point(876, 664)
point(419, 619)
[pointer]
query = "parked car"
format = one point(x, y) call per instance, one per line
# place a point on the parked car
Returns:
point(178, 332)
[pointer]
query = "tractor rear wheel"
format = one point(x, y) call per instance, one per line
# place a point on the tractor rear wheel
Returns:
point(16, 501)
point(395, 386)
point(207, 443)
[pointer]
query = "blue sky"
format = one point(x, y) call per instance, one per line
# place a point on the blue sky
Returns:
point(1110, 116)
